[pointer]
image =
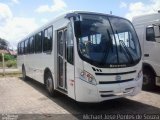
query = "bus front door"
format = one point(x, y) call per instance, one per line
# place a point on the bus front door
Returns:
point(65, 68)
point(61, 68)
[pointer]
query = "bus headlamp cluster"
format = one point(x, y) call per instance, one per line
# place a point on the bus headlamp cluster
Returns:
point(86, 76)
point(140, 73)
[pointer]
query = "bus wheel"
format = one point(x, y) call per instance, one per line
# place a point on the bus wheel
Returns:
point(23, 73)
point(49, 83)
point(148, 79)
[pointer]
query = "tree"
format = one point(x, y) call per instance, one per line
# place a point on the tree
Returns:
point(4, 44)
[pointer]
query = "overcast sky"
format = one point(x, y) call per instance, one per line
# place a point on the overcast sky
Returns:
point(20, 17)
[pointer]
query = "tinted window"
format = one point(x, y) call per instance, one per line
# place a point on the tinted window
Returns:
point(126, 40)
point(65, 39)
point(31, 45)
point(150, 36)
point(95, 42)
point(18, 50)
point(60, 43)
point(70, 45)
point(107, 41)
point(38, 42)
point(26, 44)
point(48, 36)
point(22, 47)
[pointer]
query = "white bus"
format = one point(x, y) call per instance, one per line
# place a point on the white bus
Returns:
point(90, 57)
point(148, 30)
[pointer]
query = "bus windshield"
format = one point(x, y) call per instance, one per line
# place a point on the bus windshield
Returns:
point(107, 41)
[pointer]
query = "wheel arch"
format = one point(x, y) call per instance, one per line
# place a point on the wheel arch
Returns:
point(148, 66)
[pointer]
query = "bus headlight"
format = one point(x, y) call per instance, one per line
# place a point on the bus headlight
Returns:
point(140, 73)
point(86, 76)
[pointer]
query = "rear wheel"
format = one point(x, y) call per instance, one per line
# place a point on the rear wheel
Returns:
point(49, 83)
point(148, 79)
point(23, 73)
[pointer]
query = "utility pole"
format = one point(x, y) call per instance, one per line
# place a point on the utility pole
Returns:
point(3, 62)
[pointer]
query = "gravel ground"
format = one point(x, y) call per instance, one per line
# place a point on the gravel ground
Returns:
point(26, 98)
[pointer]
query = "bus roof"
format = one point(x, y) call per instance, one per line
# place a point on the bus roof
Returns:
point(67, 15)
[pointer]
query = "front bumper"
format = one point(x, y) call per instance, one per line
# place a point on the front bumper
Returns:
point(86, 92)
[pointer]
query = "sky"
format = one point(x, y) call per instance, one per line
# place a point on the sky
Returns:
point(20, 17)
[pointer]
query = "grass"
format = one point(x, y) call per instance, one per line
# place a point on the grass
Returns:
point(11, 74)
point(10, 64)
point(10, 61)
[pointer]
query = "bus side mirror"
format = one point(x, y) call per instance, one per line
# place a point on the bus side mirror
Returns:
point(157, 33)
point(77, 28)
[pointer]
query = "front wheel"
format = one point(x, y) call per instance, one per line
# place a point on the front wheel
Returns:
point(148, 79)
point(49, 84)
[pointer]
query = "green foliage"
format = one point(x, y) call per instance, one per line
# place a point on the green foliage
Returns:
point(8, 57)
point(11, 63)
point(10, 60)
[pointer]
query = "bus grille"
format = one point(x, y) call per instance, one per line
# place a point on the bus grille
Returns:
point(113, 82)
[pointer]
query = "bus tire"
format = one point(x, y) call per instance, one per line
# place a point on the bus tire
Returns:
point(24, 73)
point(49, 83)
point(148, 79)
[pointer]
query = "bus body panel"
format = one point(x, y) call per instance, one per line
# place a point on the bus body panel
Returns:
point(125, 73)
point(89, 93)
point(35, 64)
point(101, 92)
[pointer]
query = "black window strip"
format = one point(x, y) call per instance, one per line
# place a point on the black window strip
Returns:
point(93, 69)
point(113, 82)
point(110, 95)
point(121, 73)
point(105, 91)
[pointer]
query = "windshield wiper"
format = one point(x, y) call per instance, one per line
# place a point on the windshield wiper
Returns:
point(110, 45)
point(125, 47)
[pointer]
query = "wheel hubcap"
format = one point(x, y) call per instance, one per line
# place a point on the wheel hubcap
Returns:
point(145, 79)
point(49, 84)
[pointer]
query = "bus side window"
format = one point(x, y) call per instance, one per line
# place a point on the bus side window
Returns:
point(32, 44)
point(70, 45)
point(26, 44)
point(47, 41)
point(22, 47)
point(150, 35)
point(38, 42)
point(18, 48)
